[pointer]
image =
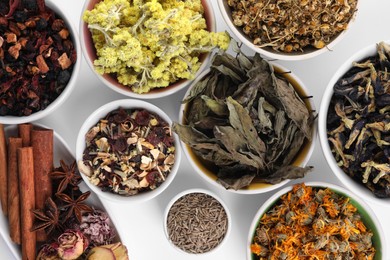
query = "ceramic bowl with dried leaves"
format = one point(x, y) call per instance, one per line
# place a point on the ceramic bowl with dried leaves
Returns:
point(126, 151)
point(197, 222)
point(217, 127)
point(111, 79)
point(352, 123)
point(50, 66)
point(315, 201)
point(287, 30)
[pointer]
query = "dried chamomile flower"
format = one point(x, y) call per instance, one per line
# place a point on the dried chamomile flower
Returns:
point(292, 25)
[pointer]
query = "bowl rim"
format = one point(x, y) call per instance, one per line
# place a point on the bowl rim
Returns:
point(284, 56)
point(319, 184)
point(354, 186)
point(162, 92)
point(267, 188)
point(197, 190)
point(100, 112)
point(9, 120)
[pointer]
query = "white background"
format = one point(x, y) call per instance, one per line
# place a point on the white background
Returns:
point(141, 226)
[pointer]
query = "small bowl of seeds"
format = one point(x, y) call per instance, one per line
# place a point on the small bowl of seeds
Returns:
point(353, 123)
point(315, 220)
point(126, 151)
point(40, 55)
point(196, 221)
point(289, 30)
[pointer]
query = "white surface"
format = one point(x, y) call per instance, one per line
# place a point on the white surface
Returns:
point(141, 226)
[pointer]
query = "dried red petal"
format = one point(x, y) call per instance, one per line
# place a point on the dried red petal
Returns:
point(142, 118)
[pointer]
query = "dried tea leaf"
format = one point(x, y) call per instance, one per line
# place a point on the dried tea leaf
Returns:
point(293, 105)
point(215, 106)
point(231, 177)
point(189, 135)
point(284, 173)
point(234, 142)
point(240, 120)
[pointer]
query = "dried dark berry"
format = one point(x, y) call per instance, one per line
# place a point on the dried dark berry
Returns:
point(30, 4)
point(20, 16)
point(41, 24)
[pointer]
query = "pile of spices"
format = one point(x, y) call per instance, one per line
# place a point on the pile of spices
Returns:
point(37, 55)
point(312, 223)
point(128, 151)
point(197, 223)
point(48, 214)
point(358, 122)
point(292, 25)
point(247, 121)
point(150, 44)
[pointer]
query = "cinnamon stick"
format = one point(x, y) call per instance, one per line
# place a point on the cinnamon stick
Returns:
point(3, 171)
point(42, 143)
point(13, 189)
point(27, 201)
point(25, 133)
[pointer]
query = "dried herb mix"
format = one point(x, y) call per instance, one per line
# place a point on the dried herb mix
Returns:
point(358, 122)
point(37, 56)
point(292, 25)
point(197, 223)
point(247, 121)
point(312, 223)
point(128, 151)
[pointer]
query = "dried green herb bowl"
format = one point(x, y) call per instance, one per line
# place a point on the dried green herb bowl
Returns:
point(266, 25)
point(327, 124)
point(368, 217)
point(67, 90)
point(208, 170)
point(140, 163)
point(110, 79)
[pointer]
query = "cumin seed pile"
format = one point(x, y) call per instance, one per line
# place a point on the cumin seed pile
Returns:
point(197, 223)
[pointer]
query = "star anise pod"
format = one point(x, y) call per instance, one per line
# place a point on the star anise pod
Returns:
point(74, 206)
point(67, 175)
point(47, 219)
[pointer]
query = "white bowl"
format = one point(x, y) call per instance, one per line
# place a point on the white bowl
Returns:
point(72, 81)
point(254, 188)
point(348, 182)
point(197, 190)
point(111, 81)
point(94, 118)
point(368, 216)
point(268, 51)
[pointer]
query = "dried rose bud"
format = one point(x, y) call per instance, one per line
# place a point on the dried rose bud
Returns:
point(48, 252)
point(108, 252)
point(71, 244)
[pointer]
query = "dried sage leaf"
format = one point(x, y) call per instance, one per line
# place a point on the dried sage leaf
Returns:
point(245, 120)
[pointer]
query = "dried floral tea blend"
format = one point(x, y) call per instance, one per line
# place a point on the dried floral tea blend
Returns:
point(312, 223)
point(128, 151)
point(150, 44)
point(292, 25)
point(197, 223)
point(358, 122)
point(37, 55)
point(247, 121)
